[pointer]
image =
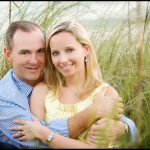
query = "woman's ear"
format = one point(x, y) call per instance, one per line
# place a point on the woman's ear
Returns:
point(7, 54)
point(87, 50)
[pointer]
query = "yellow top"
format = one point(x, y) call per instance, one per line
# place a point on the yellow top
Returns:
point(57, 110)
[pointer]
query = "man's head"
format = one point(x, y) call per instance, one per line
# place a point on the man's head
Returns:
point(25, 50)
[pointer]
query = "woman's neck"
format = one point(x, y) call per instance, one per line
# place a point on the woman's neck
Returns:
point(75, 82)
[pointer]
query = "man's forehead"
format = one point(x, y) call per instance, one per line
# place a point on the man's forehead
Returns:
point(33, 31)
point(28, 40)
point(28, 37)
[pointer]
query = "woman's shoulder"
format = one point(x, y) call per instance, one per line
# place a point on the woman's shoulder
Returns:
point(41, 84)
point(106, 89)
point(101, 86)
point(40, 87)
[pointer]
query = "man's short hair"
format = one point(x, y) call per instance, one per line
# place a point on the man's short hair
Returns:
point(26, 26)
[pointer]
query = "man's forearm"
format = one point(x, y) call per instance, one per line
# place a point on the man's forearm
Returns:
point(58, 126)
point(132, 129)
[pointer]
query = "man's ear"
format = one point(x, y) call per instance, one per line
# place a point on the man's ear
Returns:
point(7, 54)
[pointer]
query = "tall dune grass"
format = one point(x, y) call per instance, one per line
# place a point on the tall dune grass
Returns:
point(123, 59)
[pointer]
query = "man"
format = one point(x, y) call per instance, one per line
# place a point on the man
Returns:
point(25, 50)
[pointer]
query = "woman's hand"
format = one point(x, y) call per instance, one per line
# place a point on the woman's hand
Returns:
point(108, 107)
point(27, 130)
point(108, 104)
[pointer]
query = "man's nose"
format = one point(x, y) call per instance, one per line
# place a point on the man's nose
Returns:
point(34, 59)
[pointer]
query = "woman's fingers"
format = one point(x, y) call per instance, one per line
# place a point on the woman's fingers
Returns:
point(117, 111)
point(23, 138)
point(120, 99)
point(20, 138)
point(16, 135)
point(21, 122)
point(16, 128)
point(120, 110)
point(19, 135)
point(120, 105)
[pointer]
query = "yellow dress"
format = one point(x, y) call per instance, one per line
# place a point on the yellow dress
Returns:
point(57, 110)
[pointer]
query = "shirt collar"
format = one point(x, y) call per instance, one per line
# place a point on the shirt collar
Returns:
point(22, 86)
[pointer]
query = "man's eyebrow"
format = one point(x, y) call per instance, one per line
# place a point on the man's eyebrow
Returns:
point(31, 50)
point(21, 50)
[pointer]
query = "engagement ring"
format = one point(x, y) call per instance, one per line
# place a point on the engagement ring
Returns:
point(20, 133)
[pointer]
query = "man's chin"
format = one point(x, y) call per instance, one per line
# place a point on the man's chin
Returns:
point(33, 78)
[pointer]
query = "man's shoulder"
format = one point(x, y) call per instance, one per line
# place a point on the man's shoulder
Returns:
point(6, 84)
point(6, 79)
point(10, 93)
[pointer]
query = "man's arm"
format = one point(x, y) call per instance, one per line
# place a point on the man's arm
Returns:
point(9, 112)
point(132, 129)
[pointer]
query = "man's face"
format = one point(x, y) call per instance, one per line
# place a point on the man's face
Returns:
point(28, 55)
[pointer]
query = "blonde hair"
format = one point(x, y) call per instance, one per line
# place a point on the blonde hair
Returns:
point(93, 77)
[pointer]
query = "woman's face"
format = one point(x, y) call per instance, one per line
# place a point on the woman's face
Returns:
point(67, 54)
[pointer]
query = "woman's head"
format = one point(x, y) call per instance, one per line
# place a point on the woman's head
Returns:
point(79, 39)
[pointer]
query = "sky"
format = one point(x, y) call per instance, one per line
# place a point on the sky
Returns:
point(104, 9)
point(98, 7)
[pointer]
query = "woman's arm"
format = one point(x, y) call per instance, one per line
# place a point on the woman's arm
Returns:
point(129, 124)
point(37, 100)
point(75, 125)
point(78, 123)
point(117, 129)
point(34, 130)
point(107, 130)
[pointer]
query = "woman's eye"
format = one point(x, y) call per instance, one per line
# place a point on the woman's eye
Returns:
point(69, 50)
point(55, 53)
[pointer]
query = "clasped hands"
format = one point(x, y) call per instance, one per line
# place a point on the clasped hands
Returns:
point(108, 127)
point(104, 131)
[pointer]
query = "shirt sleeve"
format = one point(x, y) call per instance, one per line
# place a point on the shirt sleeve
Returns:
point(58, 126)
point(132, 129)
point(8, 113)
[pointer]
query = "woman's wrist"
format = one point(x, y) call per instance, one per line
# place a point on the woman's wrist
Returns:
point(43, 134)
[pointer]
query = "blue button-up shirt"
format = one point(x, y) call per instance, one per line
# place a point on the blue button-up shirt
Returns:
point(14, 104)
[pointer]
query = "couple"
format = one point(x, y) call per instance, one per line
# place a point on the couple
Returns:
point(54, 95)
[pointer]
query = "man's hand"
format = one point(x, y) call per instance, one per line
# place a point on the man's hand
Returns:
point(105, 132)
point(103, 106)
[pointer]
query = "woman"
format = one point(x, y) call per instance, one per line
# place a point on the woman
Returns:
point(72, 83)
